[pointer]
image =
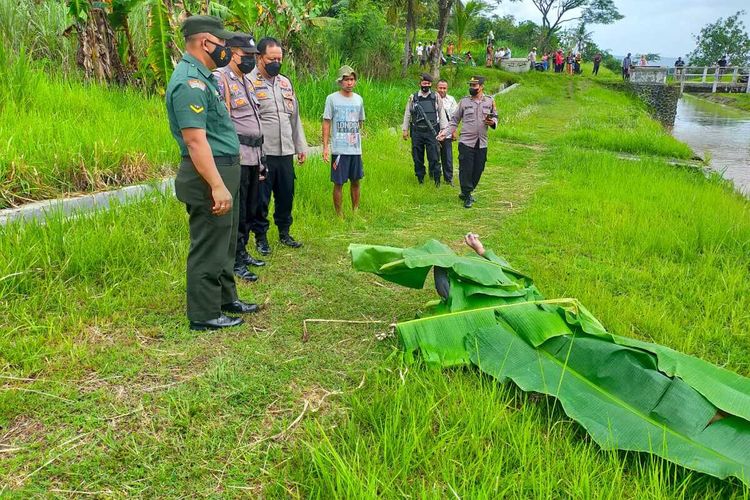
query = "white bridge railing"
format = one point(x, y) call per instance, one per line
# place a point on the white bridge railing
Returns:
point(713, 77)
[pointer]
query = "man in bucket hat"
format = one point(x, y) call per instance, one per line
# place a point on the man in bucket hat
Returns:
point(343, 116)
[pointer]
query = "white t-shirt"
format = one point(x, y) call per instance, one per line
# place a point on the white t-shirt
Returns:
point(420, 50)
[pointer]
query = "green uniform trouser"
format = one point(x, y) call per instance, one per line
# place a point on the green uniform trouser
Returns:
point(213, 239)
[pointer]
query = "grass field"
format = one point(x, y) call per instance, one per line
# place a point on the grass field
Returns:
point(104, 390)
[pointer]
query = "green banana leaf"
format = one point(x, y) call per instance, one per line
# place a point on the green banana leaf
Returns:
point(409, 267)
point(159, 52)
point(620, 397)
point(627, 393)
point(725, 389)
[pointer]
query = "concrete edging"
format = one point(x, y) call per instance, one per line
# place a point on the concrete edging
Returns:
point(509, 88)
point(40, 210)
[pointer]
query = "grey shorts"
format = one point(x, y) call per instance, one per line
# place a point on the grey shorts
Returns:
point(345, 168)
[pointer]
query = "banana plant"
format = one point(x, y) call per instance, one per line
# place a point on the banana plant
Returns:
point(161, 52)
point(119, 19)
point(97, 52)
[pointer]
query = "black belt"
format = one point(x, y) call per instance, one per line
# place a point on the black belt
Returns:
point(219, 160)
point(253, 142)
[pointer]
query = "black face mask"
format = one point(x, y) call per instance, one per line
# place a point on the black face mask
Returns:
point(220, 55)
point(247, 64)
point(273, 68)
point(473, 92)
point(425, 88)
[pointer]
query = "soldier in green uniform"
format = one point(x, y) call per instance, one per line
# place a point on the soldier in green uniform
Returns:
point(208, 179)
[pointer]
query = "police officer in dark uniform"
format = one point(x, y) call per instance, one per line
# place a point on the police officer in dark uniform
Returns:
point(239, 98)
point(208, 179)
point(424, 119)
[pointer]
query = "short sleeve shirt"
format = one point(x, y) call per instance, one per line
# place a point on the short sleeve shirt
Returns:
point(193, 102)
point(345, 114)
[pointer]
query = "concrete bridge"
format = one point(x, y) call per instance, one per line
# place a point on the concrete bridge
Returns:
point(661, 87)
point(712, 79)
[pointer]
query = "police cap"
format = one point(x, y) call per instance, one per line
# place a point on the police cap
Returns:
point(426, 77)
point(243, 41)
point(476, 79)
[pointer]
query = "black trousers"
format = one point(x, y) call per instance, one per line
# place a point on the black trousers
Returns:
point(471, 161)
point(421, 143)
point(446, 159)
point(213, 240)
point(279, 182)
point(248, 203)
point(596, 68)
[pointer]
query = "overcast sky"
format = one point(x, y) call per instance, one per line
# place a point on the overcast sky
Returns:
point(664, 27)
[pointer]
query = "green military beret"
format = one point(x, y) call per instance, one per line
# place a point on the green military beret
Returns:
point(205, 24)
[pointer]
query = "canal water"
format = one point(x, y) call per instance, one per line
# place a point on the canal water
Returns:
point(718, 132)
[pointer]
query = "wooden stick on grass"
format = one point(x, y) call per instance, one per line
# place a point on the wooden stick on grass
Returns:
point(306, 334)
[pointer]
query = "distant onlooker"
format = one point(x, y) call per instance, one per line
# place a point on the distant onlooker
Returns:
point(678, 65)
point(558, 58)
point(489, 54)
point(508, 53)
point(577, 63)
point(423, 54)
point(450, 49)
point(499, 54)
point(571, 60)
point(491, 38)
point(626, 63)
point(470, 59)
point(545, 61)
point(420, 53)
point(643, 61)
point(532, 57)
point(722, 62)
point(597, 62)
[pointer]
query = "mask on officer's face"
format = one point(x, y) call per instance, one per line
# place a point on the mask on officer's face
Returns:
point(220, 55)
point(426, 88)
point(273, 68)
point(473, 91)
point(246, 64)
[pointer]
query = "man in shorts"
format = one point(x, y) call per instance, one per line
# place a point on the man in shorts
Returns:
point(343, 116)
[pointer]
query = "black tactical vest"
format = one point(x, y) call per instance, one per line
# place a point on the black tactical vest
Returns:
point(429, 106)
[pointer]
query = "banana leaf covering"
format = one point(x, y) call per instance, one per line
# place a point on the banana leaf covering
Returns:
point(627, 394)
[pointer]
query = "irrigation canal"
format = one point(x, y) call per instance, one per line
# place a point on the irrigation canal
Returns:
point(717, 131)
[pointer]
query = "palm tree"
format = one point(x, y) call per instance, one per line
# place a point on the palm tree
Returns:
point(464, 15)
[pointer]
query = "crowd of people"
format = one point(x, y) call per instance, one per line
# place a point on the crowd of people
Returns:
point(236, 121)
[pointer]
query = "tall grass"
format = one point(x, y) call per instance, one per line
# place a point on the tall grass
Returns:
point(39, 27)
point(458, 434)
point(62, 135)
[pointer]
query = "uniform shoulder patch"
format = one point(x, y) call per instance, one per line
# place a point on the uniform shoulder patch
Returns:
point(196, 109)
point(196, 84)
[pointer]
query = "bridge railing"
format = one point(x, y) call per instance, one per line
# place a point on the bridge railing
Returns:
point(713, 76)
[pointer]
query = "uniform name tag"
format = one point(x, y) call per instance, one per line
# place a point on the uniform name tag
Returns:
point(197, 84)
